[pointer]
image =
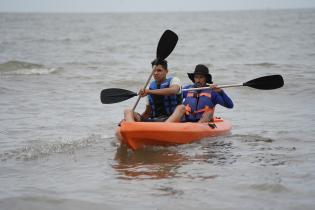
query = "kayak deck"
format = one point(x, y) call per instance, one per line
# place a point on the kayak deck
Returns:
point(140, 134)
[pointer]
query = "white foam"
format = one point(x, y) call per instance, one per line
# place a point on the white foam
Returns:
point(36, 71)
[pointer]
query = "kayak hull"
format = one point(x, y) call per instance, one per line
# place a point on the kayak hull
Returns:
point(140, 134)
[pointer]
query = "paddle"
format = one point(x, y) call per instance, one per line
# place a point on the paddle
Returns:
point(114, 95)
point(165, 46)
point(263, 83)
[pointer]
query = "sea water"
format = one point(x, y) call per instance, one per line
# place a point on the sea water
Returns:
point(57, 144)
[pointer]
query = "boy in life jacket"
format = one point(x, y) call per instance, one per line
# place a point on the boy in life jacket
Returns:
point(163, 97)
point(200, 104)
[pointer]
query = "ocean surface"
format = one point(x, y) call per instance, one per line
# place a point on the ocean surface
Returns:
point(57, 143)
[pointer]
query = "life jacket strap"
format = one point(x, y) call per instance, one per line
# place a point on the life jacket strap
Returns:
point(205, 94)
point(192, 95)
point(206, 109)
point(196, 95)
point(187, 109)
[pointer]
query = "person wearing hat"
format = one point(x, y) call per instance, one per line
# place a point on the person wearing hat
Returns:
point(200, 104)
point(163, 97)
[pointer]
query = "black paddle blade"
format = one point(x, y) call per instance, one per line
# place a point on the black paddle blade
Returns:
point(114, 95)
point(166, 44)
point(266, 82)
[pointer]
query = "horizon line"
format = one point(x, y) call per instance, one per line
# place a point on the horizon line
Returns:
point(157, 11)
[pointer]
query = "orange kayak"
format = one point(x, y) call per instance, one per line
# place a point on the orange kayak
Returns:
point(140, 134)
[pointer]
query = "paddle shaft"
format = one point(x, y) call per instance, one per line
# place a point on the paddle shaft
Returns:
point(114, 95)
point(145, 86)
point(221, 86)
point(165, 46)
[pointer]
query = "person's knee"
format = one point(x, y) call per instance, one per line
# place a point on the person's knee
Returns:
point(181, 109)
point(127, 111)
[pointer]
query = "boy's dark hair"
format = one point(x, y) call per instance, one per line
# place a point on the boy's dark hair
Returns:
point(159, 62)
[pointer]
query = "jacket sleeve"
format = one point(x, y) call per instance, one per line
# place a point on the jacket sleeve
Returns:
point(223, 99)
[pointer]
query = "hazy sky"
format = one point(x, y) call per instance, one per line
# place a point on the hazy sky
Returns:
point(146, 5)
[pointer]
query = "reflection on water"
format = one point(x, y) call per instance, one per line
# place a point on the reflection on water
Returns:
point(168, 162)
point(148, 163)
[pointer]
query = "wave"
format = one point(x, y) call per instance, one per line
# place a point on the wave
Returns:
point(64, 40)
point(37, 151)
point(252, 138)
point(50, 202)
point(264, 64)
point(15, 67)
point(270, 187)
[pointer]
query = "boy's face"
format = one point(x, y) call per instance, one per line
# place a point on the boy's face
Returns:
point(160, 73)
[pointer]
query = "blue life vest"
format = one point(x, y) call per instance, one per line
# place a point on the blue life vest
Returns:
point(196, 103)
point(169, 102)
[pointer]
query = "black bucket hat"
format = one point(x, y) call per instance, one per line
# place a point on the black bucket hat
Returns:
point(203, 70)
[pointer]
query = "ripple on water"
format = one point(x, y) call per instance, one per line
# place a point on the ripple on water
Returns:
point(40, 149)
point(263, 150)
point(269, 187)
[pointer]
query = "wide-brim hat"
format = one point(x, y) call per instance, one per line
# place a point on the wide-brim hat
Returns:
point(203, 70)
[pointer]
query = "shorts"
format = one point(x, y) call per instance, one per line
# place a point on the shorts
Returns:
point(155, 119)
